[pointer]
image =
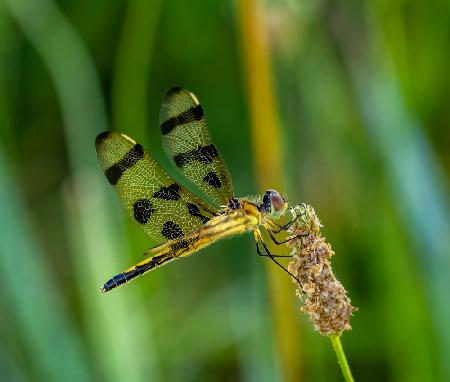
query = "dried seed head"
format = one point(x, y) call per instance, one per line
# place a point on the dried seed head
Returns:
point(326, 300)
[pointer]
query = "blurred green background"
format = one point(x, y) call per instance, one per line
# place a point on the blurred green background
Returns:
point(361, 90)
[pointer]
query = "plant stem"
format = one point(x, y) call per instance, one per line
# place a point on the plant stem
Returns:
point(342, 359)
point(266, 138)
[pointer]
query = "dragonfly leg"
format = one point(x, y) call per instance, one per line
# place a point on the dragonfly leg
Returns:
point(272, 257)
point(258, 251)
point(287, 225)
point(284, 241)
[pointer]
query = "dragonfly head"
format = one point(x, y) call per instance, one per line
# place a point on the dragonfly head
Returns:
point(274, 204)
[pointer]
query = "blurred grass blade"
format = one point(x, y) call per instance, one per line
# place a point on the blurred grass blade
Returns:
point(418, 185)
point(34, 300)
point(269, 171)
point(132, 66)
point(121, 351)
point(356, 190)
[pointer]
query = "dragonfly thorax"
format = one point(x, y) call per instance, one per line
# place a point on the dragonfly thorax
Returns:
point(274, 204)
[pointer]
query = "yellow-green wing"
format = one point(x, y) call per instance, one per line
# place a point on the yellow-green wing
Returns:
point(188, 143)
point(160, 206)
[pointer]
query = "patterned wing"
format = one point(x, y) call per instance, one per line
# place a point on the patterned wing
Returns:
point(160, 206)
point(188, 143)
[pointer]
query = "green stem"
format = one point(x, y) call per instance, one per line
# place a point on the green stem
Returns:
point(342, 359)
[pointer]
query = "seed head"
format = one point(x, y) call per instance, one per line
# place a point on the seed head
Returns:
point(325, 299)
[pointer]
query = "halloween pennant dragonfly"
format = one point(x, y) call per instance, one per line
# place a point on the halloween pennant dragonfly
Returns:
point(179, 222)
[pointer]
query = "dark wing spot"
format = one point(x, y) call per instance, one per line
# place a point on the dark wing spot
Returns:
point(114, 173)
point(168, 193)
point(192, 114)
point(143, 210)
point(202, 154)
point(100, 138)
point(213, 180)
point(171, 230)
point(174, 90)
point(210, 152)
point(195, 211)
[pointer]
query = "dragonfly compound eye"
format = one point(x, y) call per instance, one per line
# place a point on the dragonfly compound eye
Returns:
point(278, 204)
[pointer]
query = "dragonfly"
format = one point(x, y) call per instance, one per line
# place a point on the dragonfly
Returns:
point(178, 221)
